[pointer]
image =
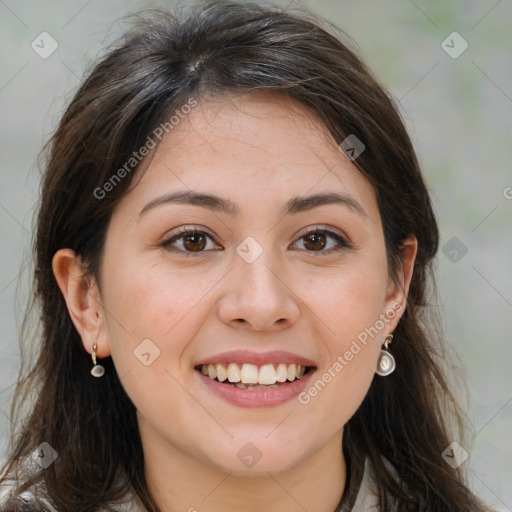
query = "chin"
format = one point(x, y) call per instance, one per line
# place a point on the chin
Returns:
point(258, 457)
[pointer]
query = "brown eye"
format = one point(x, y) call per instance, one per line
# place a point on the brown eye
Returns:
point(194, 242)
point(317, 240)
point(189, 242)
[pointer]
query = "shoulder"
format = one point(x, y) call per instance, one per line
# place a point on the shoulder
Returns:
point(26, 500)
point(367, 497)
point(31, 499)
point(489, 507)
point(130, 503)
point(35, 498)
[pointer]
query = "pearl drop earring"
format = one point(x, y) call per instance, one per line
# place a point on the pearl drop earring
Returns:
point(97, 369)
point(386, 364)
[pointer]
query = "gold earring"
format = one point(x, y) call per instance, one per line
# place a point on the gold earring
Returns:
point(386, 364)
point(97, 369)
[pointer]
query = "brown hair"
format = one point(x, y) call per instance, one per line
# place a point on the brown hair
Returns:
point(224, 48)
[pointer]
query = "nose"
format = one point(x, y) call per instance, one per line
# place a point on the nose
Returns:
point(258, 297)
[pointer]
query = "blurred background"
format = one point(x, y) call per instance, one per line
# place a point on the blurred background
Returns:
point(448, 64)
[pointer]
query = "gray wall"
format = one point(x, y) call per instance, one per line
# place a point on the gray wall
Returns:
point(459, 113)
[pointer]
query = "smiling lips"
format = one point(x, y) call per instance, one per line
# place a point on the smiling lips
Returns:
point(252, 379)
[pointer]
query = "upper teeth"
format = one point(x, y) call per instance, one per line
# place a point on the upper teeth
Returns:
point(252, 374)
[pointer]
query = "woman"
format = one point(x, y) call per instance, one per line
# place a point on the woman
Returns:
point(233, 250)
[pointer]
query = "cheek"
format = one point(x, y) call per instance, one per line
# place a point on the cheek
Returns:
point(350, 300)
point(150, 324)
point(341, 385)
point(349, 305)
point(149, 298)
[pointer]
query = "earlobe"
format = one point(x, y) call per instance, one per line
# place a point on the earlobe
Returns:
point(82, 299)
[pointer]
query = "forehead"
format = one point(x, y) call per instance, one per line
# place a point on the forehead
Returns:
point(250, 147)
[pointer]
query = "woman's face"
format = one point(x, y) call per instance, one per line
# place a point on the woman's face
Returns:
point(277, 273)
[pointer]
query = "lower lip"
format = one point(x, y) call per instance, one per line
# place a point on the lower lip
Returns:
point(258, 397)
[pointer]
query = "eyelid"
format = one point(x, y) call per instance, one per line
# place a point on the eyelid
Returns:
point(187, 229)
point(323, 229)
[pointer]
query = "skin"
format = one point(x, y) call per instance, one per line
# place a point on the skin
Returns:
point(258, 150)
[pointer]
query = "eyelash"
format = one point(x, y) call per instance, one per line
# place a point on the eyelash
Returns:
point(182, 232)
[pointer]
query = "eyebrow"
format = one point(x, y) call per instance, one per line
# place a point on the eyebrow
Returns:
point(221, 205)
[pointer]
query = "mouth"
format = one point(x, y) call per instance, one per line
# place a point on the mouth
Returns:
point(254, 377)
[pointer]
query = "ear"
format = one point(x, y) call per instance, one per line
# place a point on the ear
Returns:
point(83, 301)
point(396, 299)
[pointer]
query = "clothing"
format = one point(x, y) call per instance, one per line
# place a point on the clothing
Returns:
point(367, 495)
